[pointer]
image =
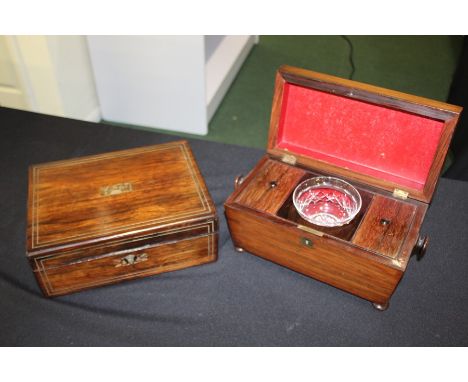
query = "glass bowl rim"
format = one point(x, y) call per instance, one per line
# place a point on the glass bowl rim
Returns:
point(330, 178)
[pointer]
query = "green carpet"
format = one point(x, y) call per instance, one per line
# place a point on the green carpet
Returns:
point(421, 65)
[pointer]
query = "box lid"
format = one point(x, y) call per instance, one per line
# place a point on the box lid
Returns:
point(388, 139)
point(130, 193)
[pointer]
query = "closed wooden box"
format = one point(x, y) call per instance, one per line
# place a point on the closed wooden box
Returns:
point(118, 216)
point(391, 146)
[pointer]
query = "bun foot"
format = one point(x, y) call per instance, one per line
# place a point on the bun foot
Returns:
point(380, 307)
point(239, 249)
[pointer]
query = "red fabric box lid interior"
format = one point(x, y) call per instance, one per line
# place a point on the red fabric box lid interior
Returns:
point(349, 129)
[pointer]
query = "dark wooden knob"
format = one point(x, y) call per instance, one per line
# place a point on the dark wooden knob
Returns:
point(420, 248)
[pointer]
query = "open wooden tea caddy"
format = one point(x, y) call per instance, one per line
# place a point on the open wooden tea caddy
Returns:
point(389, 145)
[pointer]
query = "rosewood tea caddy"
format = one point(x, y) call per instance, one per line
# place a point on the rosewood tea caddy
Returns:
point(389, 145)
point(123, 215)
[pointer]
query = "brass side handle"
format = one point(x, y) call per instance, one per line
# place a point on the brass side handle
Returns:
point(131, 259)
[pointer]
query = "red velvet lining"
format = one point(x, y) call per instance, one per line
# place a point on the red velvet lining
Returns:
point(374, 140)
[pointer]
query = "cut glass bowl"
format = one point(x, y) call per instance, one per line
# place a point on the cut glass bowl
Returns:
point(327, 201)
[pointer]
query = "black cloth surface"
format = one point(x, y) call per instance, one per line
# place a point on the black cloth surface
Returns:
point(239, 300)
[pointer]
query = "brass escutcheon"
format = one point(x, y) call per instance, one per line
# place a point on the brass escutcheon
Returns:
point(307, 242)
point(116, 189)
point(131, 259)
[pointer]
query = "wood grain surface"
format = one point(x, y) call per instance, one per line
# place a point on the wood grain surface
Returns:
point(272, 184)
point(109, 268)
point(160, 186)
point(385, 226)
point(338, 264)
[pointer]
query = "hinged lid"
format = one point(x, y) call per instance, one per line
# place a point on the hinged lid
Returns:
point(376, 136)
point(130, 193)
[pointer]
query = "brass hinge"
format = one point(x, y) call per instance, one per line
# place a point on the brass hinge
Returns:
point(289, 159)
point(400, 194)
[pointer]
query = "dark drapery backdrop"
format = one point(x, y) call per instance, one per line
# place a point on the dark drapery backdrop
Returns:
point(459, 96)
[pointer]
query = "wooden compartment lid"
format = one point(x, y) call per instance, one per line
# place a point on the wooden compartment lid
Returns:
point(376, 136)
point(118, 195)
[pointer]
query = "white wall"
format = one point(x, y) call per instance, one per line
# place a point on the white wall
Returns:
point(70, 57)
point(55, 75)
point(152, 81)
point(170, 82)
point(11, 89)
